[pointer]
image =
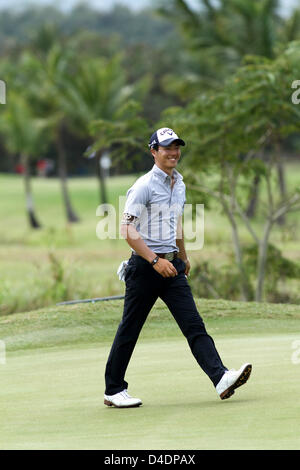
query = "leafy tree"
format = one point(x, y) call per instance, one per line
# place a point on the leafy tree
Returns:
point(233, 130)
point(17, 25)
point(125, 135)
point(219, 35)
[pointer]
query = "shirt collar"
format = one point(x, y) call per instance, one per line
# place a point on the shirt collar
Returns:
point(164, 176)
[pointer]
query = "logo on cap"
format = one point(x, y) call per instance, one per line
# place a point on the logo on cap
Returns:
point(164, 137)
point(161, 133)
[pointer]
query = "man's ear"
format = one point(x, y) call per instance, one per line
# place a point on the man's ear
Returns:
point(153, 151)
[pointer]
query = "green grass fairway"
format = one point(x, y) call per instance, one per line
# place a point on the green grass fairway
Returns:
point(51, 394)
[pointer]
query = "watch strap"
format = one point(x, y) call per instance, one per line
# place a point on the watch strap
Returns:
point(153, 262)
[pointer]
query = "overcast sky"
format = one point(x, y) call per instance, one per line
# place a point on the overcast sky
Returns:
point(67, 4)
point(106, 4)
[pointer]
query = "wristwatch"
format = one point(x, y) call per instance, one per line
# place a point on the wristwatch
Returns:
point(155, 260)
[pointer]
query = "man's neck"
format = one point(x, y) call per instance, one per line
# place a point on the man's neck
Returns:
point(167, 171)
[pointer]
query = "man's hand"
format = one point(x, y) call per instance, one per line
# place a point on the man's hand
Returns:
point(180, 243)
point(187, 267)
point(165, 268)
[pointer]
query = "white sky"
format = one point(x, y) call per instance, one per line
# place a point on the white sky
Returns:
point(286, 5)
point(68, 4)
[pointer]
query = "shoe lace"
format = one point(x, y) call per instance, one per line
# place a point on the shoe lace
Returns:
point(125, 394)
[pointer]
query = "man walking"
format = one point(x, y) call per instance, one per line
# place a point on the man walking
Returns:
point(158, 267)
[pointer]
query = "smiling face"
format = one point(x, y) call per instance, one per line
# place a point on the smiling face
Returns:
point(166, 158)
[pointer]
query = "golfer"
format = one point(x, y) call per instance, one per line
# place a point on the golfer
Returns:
point(158, 267)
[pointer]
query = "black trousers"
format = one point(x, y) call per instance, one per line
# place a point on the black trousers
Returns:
point(143, 287)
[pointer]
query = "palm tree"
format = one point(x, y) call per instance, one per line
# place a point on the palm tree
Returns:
point(97, 90)
point(234, 27)
point(37, 76)
point(44, 93)
point(55, 70)
point(26, 136)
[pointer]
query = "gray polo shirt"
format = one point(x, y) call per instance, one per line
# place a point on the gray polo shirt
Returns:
point(157, 208)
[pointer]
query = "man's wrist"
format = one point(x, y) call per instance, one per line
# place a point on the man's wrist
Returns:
point(154, 261)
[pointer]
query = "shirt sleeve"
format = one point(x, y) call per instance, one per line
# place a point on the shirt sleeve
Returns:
point(136, 200)
point(184, 202)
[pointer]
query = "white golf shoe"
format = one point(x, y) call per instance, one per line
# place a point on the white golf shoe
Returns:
point(233, 379)
point(121, 400)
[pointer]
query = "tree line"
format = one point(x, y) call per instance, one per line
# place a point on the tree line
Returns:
point(74, 70)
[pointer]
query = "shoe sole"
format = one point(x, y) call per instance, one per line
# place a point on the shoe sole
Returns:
point(109, 403)
point(241, 380)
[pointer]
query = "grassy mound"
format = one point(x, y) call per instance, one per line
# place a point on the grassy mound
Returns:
point(97, 322)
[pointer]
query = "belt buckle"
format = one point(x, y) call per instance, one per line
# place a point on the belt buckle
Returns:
point(169, 256)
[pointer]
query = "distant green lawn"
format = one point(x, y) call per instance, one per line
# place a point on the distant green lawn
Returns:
point(84, 194)
point(86, 264)
point(51, 394)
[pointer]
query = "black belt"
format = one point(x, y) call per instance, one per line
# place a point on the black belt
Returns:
point(169, 256)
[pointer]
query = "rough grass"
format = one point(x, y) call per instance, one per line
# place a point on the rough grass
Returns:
point(97, 322)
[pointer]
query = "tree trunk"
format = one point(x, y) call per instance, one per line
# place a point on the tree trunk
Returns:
point(62, 171)
point(33, 222)
point(245, 285)
point(253, 198)
point(261, 261)
point(246, 289)
point(101, 177)
point(282, 186)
